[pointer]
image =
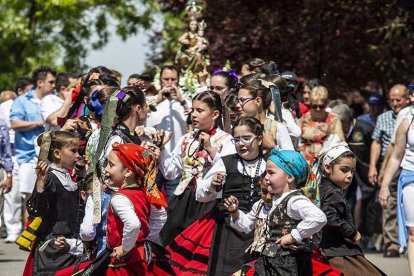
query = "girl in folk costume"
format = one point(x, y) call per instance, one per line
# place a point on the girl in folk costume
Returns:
point(291, 221)
point(130, 109)
point(254, 100)
point(237, 175)
point(56, 199)
point(132, 169)
point(193, 156)
point(339, 243)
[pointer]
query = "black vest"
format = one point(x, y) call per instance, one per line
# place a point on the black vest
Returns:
point(280, 224)
point(62, 217)
point(239, 185)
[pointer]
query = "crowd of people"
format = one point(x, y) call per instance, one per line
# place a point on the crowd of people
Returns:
point(258, 173)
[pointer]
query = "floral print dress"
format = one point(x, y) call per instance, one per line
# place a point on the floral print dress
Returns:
point(315, 134)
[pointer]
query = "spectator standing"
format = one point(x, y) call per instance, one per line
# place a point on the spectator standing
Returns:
point(54, 106)
point(398, 99)
point(170, 116)
point(26, 119)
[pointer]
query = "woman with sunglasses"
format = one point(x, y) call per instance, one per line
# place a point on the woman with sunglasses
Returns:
point(236, 175)
point(319, 128)
point(254, 101)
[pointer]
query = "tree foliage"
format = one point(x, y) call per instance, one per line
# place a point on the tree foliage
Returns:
point(61, 32)
point(346, 43)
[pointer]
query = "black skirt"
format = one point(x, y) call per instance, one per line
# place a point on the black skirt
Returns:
point(48, 259)
point(228, 249)
point(299, 264)
point(183, 210)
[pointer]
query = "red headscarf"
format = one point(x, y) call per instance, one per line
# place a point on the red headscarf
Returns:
point(142, 162)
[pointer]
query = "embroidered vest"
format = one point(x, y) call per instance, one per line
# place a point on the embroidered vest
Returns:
point(280, 224)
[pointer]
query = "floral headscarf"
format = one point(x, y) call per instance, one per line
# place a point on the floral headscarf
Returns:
point(142, 162)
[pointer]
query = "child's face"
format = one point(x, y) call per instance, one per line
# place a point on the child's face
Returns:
point(341, 174)
point(248, 105)
point(115, 170)
point(264, 194)
point(68, 155)
point(203, 116)
point(276, 179)
point(247, 143)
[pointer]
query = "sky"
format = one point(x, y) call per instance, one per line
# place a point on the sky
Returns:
point(128, 57)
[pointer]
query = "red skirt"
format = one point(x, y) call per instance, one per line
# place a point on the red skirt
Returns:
point(134, 265)
point(190, 250)
point(72, 269)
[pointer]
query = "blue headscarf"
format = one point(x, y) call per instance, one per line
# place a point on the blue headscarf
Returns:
point(292, 163)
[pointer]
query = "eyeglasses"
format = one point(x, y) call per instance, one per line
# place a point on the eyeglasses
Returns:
point(216, 88)
point(243, 101)
point(243, 139)
point(316, 106)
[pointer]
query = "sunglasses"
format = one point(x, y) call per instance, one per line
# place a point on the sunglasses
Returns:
point(243, 139)
point(243, 101)
point(318, 106)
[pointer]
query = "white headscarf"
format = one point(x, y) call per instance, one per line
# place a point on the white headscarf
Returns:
point(325, 157)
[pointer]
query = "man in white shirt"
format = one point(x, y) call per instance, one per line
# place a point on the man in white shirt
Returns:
point(57, 105)
point(12, 208)
point(171, 107)
point(170, 116)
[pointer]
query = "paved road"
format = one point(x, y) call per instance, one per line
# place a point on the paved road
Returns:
point(12, 262)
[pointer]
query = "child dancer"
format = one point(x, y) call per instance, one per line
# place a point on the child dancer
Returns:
point(237, 175)
point(131, 168)
point(194, 155)
point(56, 200)
point(291, 221)
point(339, 243)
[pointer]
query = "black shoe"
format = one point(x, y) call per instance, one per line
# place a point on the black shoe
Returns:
point(391, 253)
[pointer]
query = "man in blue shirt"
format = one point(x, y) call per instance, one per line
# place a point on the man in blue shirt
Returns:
point(26, 119)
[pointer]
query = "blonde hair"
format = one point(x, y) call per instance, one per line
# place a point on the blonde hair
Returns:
point(319, 93)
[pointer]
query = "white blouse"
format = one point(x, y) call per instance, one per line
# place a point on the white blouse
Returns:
point(312, 219)
point(206, 193)
point(180, 163)
point(246, 222)
point(292, 127)
point(283, 139)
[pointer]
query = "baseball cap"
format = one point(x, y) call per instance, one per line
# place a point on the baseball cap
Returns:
point(376, 99)
point(410, 88)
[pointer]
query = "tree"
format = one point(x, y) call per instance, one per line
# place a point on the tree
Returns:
point(344, 42)
point(59, 33)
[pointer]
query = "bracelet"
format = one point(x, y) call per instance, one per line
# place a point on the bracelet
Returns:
point(183, 102)
point(9, 174)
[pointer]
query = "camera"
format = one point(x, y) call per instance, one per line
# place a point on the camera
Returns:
point(167, 94)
